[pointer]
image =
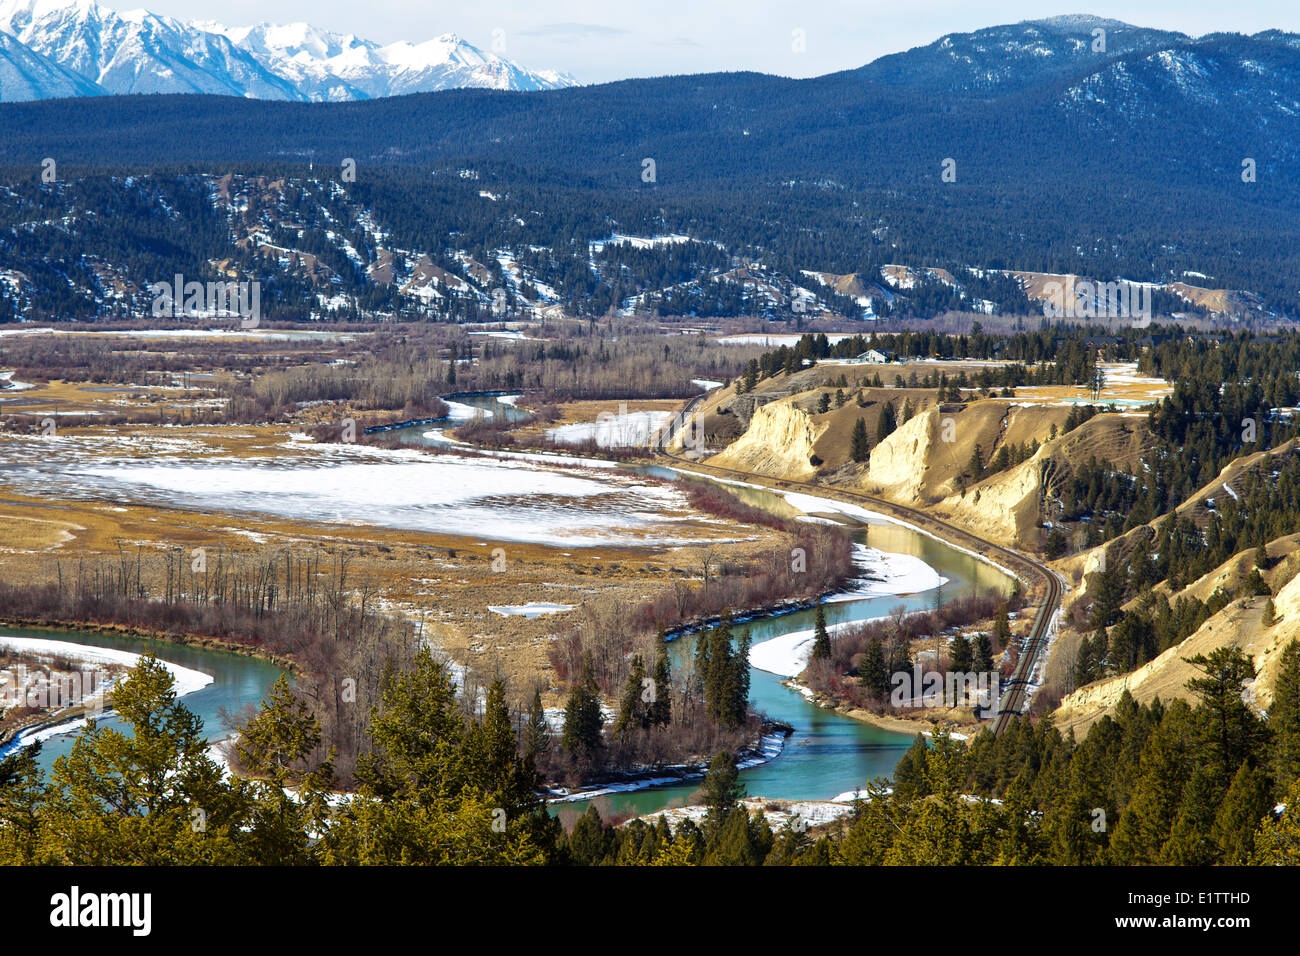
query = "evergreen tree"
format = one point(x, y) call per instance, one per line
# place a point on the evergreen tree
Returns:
point(537, 733)
point(660, 711)
point(418, 735)
point(739, 841)
point(1284, 718)
point(1056, 544)
point(494, 750)
point(149, 796)
point(724, 674)
point(1108, 594)
point(1255, 584)
point(859, 446)
point(1240, 813)
point(872, 670)
point(582, 719)
point(1277, 841)
point(983, 655)
point(22, 796)
point(1230, 731)
point(962, 658)
point(1002, 626)
point(276, 746)
point(722, 790)
point(1084, 664)
point(589, 842)
point(1165, 768)
point(887, 423)
point(437, 788)
point(821, 650)
point(1191, 842)
point(632, 712)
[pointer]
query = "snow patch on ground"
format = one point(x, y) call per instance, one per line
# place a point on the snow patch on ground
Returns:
point(778, 814)
point(503, 498)
point(786, 655)
point(12, 386)
point(769, 747)
point(636, 429)
point(530, 610)
point(885, 573)
point(783, 338)
point(458, 412)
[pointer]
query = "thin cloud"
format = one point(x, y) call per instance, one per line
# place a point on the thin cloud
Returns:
point(675, 41)
point(575, 31)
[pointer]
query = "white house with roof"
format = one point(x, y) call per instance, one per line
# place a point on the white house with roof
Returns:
point(877, 357)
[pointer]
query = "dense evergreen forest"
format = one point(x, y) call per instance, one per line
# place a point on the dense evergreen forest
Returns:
point(90, 243)
point(840, 173)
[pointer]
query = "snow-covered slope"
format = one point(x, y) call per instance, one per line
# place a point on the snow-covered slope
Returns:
point(333, 66)
point(140, 52)
point(137, 52)
point(26, 75)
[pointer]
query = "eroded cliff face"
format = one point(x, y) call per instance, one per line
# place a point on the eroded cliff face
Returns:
point(1274, 640)
point(778, 443)
point(917, 466)
point(898, 465)
point(1003, 508)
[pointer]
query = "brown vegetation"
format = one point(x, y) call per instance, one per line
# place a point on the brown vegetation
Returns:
point(299, 608)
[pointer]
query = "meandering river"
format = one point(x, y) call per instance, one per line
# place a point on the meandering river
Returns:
point(826, 756)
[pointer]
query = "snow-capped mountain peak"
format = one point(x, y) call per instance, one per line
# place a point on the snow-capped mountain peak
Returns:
point(136, 51)
point(291, 40)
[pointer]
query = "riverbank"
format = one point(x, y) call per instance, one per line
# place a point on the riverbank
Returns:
point(885, 574)
point(170, 637)
point(960, 730)
point(802, 815)
point(770, 746)
point(851, 504)
point(787, 655)
point(68, 719)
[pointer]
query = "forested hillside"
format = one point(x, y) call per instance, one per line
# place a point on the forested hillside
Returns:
point(840, 173)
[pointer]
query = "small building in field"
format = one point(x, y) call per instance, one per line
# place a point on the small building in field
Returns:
point(878, 356)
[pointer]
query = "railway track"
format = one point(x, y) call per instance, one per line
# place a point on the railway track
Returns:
point(1012, 702)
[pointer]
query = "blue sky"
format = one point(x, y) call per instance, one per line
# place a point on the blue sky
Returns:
point(598, 40)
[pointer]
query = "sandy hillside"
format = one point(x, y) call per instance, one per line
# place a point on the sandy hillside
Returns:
point(1237, 625)
point(927, 461)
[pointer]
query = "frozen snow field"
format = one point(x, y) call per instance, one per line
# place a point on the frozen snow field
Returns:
point(486, 498)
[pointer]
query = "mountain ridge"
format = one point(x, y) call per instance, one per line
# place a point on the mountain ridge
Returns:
point(136, 51)
point(839, 173)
